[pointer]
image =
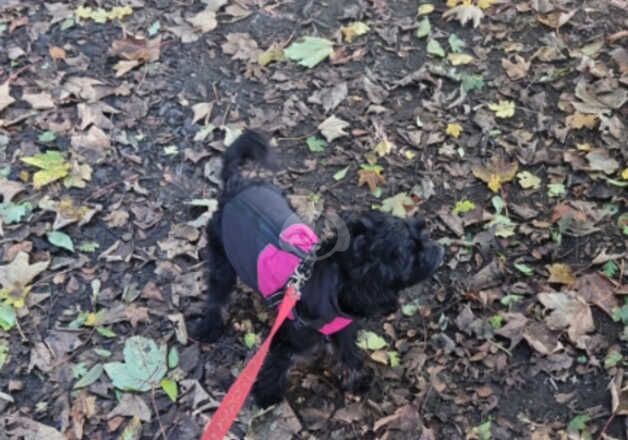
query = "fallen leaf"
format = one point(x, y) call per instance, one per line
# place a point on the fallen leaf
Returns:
point(333, 128)
point(384, 148)
point(503, 109)
point(434, 48)
point(353, 30)
point(424, 28)
point(16, 276)
point(143, 368)
point(600, 160)
point(496, 172)
point(309, 51)
point(131, 405)
point(541, 339)
point(330, 97)
point(465, 13)
point(568, 311)
point(204, 21)
point(458, 59)
point(367, 340)
point(527, 180)
point(272, 54)
point(39, 101)
point(241, 47)
point(202, 110)
point(52, 165)
point(61, 239)
point(517, 69)
point(5, 98)
point(399, 205)
point(561, 274)
point(370, 175)
point(9, 189)
point(581, 120)
point(454, 130)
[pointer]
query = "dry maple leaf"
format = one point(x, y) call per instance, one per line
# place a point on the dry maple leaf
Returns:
point(516, 70)
point(581, 120)
point(496, 172)
point(464, 14)
point(241, 46)
point(561, 274)
point(568, 311)
point(137, 49)
point(370, 176)
point(15, 277)
point(333, 128)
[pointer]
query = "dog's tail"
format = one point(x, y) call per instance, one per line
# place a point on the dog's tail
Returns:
point(250, 145)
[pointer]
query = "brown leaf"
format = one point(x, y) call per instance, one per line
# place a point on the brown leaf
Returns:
point(39, 101)
point(131, 405)
point(517, 69)
point(541, 339)
point(5, 98)
point(513, 330)
point(136, 314)
point(561, 274)
point(23, 427)
point(581, 120)
point(202, 110)
point(9, 189)
point(568, 311)
point(204, 21)
point(597, 289)
point(123, 67)
point(600, 160)
point(452, 221)
point(19, 273)
point(370, 177)
point(241, 46)
point(496, 172)
point(556, 19)
point(136, 49)
point(56, 53)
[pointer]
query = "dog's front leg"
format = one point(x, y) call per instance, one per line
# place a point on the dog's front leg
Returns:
point(355, 376)
point(272, 382)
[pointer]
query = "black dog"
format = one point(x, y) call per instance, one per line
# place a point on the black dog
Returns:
point(256, 236)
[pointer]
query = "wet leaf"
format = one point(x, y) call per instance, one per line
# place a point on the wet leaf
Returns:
point(309, 51)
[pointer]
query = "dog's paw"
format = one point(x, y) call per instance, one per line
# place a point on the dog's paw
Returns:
point(207, 330)
point(357, 381)
point(266, 396)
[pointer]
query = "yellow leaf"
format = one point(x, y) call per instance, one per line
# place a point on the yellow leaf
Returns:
point(458, 59)
point(485, 4)
point(84, 12)
point(100, 15)
point(52, 164)
point(380, 356)
point(624, 174)
point(583, 147)
point(426, 8)
point(409, 154)
point(503, 109)
point(44, 177)
point(494, 183)
point(561, 274)
point(452, 3)
point(271, 54)
point(91, 320)
point(454, 130)
point(119, 12)
point(528, 180)
point(353, 30)
point(384, 148)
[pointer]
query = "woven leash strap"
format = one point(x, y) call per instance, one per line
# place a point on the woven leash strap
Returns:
point(218, 427)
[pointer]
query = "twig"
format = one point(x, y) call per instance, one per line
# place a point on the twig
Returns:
point(161, 426)
point(606, 425)
point(19, 329)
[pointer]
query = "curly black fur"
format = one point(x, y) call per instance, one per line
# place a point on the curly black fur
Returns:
point(386, 254)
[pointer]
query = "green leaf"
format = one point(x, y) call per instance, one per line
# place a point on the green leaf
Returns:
point(88, 246)
point(316, 144)
point(102, 352)
point(612, 359)
point(170, 388)
point(396, 205)
point(90, 377)
point(457, 45)
point(528, 180)
point(393, 359)
point(496, 321)
point(143, 367)
point(14, 212)
point(341, 174)
point(154, 28)
point(60, 239)
point(510, 299)
point(4, 352)
point(555, 189)
point(434, 48)
point(107, 333)
point(79, 370)
point(610, 269)
point(309, 51)
point(463, 206)
point(620, 314)
point(7, 317)
point(250, 339)
point(622, 223)
point(484, 431)
point(498, 203)
point(368, 340)
point(47, 137)
point(578, 423)
point(524, 269)
point(173, 357)
point(410, 309)
point(472, 82)
point(424, 29)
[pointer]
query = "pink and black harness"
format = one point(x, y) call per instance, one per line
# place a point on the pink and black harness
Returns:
point(265, 241)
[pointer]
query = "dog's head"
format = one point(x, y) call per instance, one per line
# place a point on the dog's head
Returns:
point(389, 253)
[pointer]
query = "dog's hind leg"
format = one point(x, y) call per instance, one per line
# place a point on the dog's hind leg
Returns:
point(222, 279)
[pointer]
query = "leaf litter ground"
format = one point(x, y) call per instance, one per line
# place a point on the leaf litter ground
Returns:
point(502, 123)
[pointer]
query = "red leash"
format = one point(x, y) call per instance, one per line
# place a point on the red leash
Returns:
point(218, 427)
